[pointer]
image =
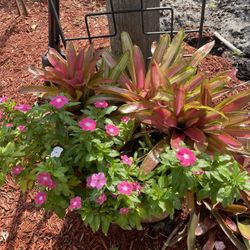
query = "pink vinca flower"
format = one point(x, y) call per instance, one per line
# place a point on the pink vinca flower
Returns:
point(126, 160)
point(186, 157)
point(199, 172)
point(87, 124)
point(125, 119)
point(23, 108)
point(101, 199)
point(101, 104)
point(112, 130)
point(44, 179)
point(75, 203)
point(96, 181)
point(113, 195)
point(137, 187)
point(1, 115)
point(58, 101)
point(125, 187)
point(51, 184)
point(21, 128)
point(9, 125)
point(3, 99)
point(18, 169)
point(123, 210)
point(40, 198)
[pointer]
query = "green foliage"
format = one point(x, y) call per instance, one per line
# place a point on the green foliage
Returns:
point(161, 191)
point(221, 181)
point(170, 107)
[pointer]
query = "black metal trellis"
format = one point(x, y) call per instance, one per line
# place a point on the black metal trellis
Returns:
point(56, 31)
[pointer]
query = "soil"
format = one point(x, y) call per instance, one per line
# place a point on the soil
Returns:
point(23, 40)
point(231, 18)
point(228, 17)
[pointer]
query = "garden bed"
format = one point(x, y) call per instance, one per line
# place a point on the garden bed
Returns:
point(29, 227)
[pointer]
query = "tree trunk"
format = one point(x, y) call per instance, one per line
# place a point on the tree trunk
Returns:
point(22, 10)
point(131, 22)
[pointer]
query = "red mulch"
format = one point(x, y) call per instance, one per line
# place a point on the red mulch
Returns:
point(20, 45)
point(30, 227)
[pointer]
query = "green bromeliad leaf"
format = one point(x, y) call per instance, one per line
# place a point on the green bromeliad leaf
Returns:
point(202, 107)
point(127, 45)
point(200, 54)
point(173, 50)
point(120, 67)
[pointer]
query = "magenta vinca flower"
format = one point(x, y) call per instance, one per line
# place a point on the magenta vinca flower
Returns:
point(23, 108)
point(101, 104)
point(137, 187)
point(51, 184)
point(199, 172)
point(125, 187)
point(21, 128)
point(123, 210)
point(18, 169)
point(3, 99)
point(58, 101)
point(75, 203)
point(125, 119)
point(96, 181)
point(186, 157)
point(101, 199)
point(126, 160)
point(9, 125)
point(40, 198)
point(88, 124)
point(112, 130)
point(44, 179)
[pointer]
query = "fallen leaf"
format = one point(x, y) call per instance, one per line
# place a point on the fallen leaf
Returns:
point(33, 26)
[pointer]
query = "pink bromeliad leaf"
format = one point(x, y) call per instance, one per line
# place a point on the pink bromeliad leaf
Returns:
point(235, 102)
point(176, 139)
point(179, 99)
point(195, 134)
point(228, 140)
point(57, 61)
point(139, 68)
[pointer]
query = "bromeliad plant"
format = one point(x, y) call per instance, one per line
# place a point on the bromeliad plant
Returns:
point(176, 99)
point(141, 167)
point(69, 75)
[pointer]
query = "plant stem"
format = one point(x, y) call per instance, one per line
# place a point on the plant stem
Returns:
point(147, 138)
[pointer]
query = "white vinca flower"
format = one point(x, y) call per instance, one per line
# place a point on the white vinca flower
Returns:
point(56, 152)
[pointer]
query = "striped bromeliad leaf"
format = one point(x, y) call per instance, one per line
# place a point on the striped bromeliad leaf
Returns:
point(70, 74)
point(173, 97)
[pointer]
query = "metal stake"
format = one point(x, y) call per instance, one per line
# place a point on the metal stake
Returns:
point(203, 8)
